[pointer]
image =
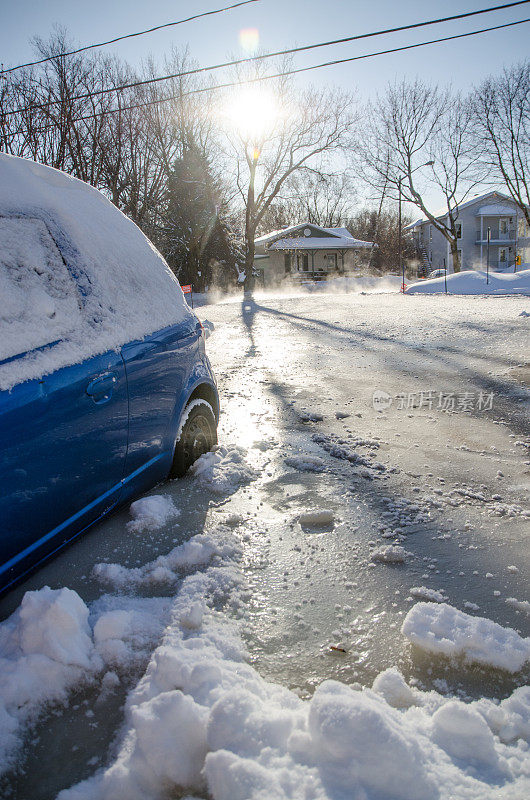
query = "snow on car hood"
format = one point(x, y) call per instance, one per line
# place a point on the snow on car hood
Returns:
point(122, 287)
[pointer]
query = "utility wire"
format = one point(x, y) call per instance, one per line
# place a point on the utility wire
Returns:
point(128, 36)
point(282, 74)
point(290, 51)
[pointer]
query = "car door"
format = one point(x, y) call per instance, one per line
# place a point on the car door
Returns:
point(158, 370)
point(63, 436)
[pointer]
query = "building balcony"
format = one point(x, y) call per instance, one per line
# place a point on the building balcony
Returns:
point(496, 237)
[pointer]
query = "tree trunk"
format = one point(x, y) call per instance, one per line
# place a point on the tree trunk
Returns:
point(455, 255)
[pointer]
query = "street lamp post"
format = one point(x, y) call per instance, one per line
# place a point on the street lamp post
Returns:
point(400, 249)
point(488, 257)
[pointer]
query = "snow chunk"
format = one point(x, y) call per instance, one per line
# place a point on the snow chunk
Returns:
point(446, 630)
point(392, 686)
point(223, 470)
point(319, 518)
point(198, 551)
point(390, 554)
point(150, 513)
point(520, 605)
point(360, 738)
point(463, 733)
point(306, 463)
point(424, 593)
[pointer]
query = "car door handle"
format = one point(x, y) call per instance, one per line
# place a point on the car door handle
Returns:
point(101, 388)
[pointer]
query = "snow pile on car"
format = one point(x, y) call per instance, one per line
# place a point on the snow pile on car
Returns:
point(442, 629)
point(84, 275)
point(202, 720)
point(476, 282)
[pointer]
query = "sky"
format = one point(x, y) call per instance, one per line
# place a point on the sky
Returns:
point(282, 24)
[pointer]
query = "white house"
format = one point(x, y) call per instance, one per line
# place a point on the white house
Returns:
point(309, 252)
point(509, 237)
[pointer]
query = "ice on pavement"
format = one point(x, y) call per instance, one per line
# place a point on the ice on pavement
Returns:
point(150, 513)
point(223, 470)
point(305, 463)
point(444, 630)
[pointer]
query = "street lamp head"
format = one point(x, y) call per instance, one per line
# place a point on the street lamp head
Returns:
point(429, 164)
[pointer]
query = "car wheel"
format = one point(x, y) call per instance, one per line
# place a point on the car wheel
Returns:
point(197, 435)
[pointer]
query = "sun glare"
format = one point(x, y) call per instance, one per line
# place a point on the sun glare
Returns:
point(249, 39)
point(252, 111)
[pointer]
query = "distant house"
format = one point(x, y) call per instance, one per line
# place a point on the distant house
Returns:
point(509, 235)
point(307, 252)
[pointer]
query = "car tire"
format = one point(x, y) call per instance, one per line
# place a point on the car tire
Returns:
point(197, 435)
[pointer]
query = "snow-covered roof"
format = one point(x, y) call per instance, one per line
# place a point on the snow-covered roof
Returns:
point(283, 232)
point(497, 210)
point(442, 212)
point(312, 243)
point(75, 274)
point(331, 239)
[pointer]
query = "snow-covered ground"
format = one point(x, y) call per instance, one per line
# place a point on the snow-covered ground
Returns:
point(333, 605)
point(476, 282)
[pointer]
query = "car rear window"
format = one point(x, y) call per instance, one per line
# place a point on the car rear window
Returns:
point(40, 301)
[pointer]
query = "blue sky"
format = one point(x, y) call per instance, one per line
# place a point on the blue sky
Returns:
point(283, 23)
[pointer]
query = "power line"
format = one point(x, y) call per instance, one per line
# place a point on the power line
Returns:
point(284, 73)
point(289, 51)
point(128, 36)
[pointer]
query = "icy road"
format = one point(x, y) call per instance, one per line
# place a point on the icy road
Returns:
point(375, 453)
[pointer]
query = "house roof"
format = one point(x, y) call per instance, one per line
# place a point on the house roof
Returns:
point(324, 243)
point(331, 239)
point(477, 199)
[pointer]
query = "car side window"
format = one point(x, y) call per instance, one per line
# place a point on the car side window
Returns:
point(40, 301)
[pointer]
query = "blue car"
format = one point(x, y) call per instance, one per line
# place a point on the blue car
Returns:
point(105, 387)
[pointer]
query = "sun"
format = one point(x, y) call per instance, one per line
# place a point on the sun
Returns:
point(252, 112)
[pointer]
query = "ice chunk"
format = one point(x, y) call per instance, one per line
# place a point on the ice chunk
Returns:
point(442, 629)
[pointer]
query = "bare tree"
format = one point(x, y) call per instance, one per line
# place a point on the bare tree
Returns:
point(417, 138)
point(301, 131)
point(501, 116)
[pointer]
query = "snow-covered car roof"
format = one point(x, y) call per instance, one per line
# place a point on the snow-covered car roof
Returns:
point(99, 282)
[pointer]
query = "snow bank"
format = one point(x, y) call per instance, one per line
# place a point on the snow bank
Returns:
point(203, 721)
point(445, 630)
point(73, 268)
point(150, 513)
point(223, 470)
point(474, 282)
point(46, 648)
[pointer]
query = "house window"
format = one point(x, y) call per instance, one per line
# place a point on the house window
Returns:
point(287, 262)
point(504, 226)
point(458, 228)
